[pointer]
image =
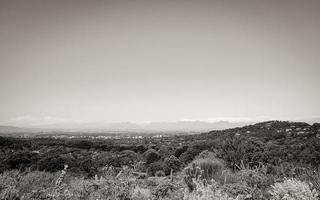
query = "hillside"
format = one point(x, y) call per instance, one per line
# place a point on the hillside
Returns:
point(270, 129)
point(271, 142)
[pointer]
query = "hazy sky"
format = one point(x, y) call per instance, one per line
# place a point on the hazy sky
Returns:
point(164, 60)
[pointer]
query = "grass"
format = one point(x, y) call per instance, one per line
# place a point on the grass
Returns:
point(208, 177)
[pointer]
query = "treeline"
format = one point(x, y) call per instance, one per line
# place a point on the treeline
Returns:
point(269, 143)
point(85, 156)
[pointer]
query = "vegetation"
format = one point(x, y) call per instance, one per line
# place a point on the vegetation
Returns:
point(293, 189)
point(270, 160)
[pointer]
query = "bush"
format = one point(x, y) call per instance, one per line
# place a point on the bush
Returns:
point(211, 169)
point(51, 164)
point(88, 167)
point(206, 154)
point(206, 192)
point(128, 157)
point(291, 189)
point(111, 188)
point(172, 163)
point(103, 159)
point(140, 166)
point(187, 156)
point(166, 151)
point(163, 190)
point(312, 176)
point(160, 174)
point(236, 189)
point(154, 167)
point(117, 187)
point(180, 151)
point(21, 160)
point(151, 156)
point(141, 194)
point(204, 169)
point(17, 185)
point(254, 178)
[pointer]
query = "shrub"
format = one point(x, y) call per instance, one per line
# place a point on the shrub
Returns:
point(291, 189)
point(103, 158)
point(312, 176)
point(163, 189)
point(254, 178)
point(8, 185)
point(187, 156)
point(118, 187)
point(160, 174)
point(206, 154)
point(206, 192)
point(236, 189)
point(140, 166)
point(141, 194)
point(21, 160)
point(102, 188)
point(88, 167)
point(128, 157)
point(153, 182)
point(257, 180)
point(17, 185)
point(204, 169)
point(151, 156)
point(171, 163)
point(211, 169)
point(51, 164)
point(228, 177)
point(180, 151)
point(166, 151)
point(154, 167)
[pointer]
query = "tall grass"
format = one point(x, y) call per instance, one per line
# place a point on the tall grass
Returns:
point(209, 179)
point(19, 185)
point(207, 192)
point(312, 176)
point(209, 169)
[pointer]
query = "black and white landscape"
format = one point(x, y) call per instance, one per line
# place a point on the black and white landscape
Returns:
point(159, 100)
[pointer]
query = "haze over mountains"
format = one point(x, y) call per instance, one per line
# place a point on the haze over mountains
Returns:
point(192, 126)
point(179, 126)
point(187, 126)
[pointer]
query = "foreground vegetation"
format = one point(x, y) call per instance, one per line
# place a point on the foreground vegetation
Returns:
point(205, 178)
point(271, 160)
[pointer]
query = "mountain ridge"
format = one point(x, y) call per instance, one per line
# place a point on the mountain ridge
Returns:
point(185, 126)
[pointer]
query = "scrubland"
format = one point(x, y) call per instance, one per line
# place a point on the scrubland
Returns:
point(264, 161)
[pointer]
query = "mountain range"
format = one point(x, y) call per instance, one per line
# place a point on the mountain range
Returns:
point(179, 126)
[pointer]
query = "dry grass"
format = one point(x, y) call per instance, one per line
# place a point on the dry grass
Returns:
point(210, 179)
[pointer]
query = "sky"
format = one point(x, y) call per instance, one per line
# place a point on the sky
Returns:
point(158, 60)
